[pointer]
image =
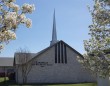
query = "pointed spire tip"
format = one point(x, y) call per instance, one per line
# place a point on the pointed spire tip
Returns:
point(54, 33)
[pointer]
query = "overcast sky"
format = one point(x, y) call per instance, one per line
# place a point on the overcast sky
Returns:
point(72, 21)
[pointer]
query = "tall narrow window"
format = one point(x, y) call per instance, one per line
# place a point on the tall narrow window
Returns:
point(55, 53)
point(60, 53)
point(62, 56)
point(65, 53)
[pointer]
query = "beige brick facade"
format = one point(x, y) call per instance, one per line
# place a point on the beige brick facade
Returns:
point(47, 71)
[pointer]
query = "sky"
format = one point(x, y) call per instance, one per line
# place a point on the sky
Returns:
point(72, 21)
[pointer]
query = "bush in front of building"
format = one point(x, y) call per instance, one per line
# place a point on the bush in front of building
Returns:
point(11, 76)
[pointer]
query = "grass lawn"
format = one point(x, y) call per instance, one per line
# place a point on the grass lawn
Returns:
point(85, 84)
point(13, 84)
point(2, 79)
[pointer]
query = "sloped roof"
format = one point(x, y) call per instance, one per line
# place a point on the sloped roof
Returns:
point(6, 61)
point(16, 57)
point(44, 50)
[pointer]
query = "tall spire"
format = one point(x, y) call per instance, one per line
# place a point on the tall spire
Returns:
point(54, 33)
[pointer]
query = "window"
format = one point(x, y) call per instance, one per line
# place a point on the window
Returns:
point(60, 53)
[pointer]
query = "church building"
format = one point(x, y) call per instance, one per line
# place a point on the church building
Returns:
point(55, 64)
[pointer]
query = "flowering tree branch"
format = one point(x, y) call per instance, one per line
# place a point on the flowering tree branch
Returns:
point(11, 16)
point(97, 58)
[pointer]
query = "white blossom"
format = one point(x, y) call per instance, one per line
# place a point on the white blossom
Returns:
point(16, 8)
point(22, 18)
point(28, 23)
point(27, 8)
point(1, 8)
point(13, 36)
point(1, 19)
point(1, 46)
point(12, 15)
point(12, 0)
point(97, 58)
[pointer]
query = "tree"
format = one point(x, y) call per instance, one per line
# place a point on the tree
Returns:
point(23, 56)
point(97, 58)
point(11, 16)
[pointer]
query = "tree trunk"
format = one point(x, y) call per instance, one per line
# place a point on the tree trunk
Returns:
point(4, 74)
point(25, 79)
point(103, 81)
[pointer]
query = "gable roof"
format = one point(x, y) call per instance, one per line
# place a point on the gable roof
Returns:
point(6, 61)
point(16, 57)
point(44, 50)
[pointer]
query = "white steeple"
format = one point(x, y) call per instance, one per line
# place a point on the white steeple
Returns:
point(54, 33)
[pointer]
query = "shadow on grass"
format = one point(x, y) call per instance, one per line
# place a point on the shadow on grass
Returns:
point(13, 83)
point(7, 83)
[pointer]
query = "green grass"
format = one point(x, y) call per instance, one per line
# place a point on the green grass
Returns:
point(2, 79)
point(59, 85)
point(85, 84)
point(13, 84)
point(56, 85)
